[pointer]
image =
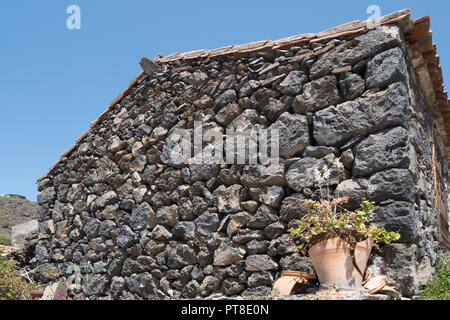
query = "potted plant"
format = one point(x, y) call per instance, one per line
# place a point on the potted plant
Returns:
point(339, 241)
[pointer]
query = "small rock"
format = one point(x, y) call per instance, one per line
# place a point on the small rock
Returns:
point(317, 95)
point(386, 68)
point(184, 230)
point(260, 263)
point(207, 223)
point(228, 253)
point(293, 133)
point(352, 85)
point(293, 83)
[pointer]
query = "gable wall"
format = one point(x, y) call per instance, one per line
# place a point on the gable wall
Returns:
point(119, 217)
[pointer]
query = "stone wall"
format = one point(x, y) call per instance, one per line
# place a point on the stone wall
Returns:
point(119, 218)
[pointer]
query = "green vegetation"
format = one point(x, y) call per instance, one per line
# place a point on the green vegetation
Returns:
point(16, 197)
point(12, 285)
point(5, 240)
point(4, 224)
point(324, 220)
point(438, 288)
point(268, 296)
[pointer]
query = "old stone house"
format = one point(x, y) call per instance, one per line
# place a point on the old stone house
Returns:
point(118, 217)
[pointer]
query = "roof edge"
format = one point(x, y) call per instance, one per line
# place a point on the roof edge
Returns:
point(400, 18)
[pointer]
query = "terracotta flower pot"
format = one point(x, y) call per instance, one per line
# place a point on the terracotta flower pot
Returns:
point(36, 294)
point(334, 264)
point(292, 282)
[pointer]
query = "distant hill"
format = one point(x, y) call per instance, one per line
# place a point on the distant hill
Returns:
point(15, 210)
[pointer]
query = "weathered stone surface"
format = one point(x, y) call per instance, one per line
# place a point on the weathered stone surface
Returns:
point(297, 263)
point(95, 284)
point(355, 189)
point(247, 120)
point(274, 230)
point(227, 254)
point(227, 199)
point(361, 47)
point(274, 108)
point(91, 228)
point(232, 286)
point(228, 113)
point(125, 237)
point(317, 95)
point(264, 216)
point(160, 233)
point(244, 236)
point(262, 291)
point(319, 151)
point(225, 98)
point(117, 285)
point(257, 247)
point(257, 279)
point(142, 217)
point(179, 255)
point(258, 262)
point(169, 180)
point(347, 158)
point(209, 284)
point(41, 252)
point(21, 231)
point(116, 144)
point(293, 133)
point(260, 175)
point(338, 124)
point(399, 263)
point(106, 199)
point(380, 151)
point(172, 152)
point(204, 171)
point(46, 195)
point(250, 205)
point(293, 83)
point(167, 216)
point(400, 217)
point(191, 289)
point(138, 164)
point(425, 271)
point(271, 196)
point(207, 223)
point(261, 97)
point(303, 173)
point(142, 284)
point(228, 82)
point(293, 207)
point(139, 265)
point(238, 220)
point(386, 68)
point(352, 85)
point(396, 184)
point(184, 230)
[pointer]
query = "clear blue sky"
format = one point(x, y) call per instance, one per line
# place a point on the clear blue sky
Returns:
point(54, 81)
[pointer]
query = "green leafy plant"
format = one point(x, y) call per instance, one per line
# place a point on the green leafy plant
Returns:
point(268, 296)
point(438, 288)
point(5, 240)
point(52, 273)
point(326, 219)
point(13, 286)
